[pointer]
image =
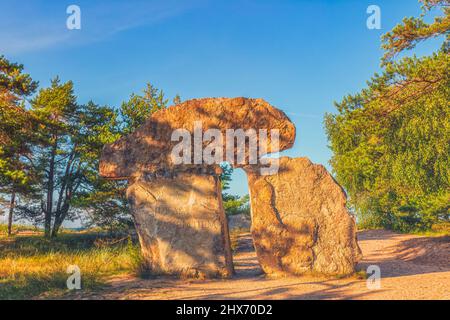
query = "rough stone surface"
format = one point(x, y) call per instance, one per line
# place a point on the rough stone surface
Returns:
point(299, 219)
point(181, 225)
point(148, 149)
point(300, 222)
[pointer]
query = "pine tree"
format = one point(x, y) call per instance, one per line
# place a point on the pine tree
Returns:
point(16, 125)
point(107, 206)
point(69, 142)
point(138, 108)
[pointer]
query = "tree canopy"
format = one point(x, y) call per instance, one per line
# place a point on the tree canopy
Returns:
point(16, 126)
point(52, 145)
point(391, 141)
point(15, 122)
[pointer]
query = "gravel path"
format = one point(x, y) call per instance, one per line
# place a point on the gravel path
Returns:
point(412, 267)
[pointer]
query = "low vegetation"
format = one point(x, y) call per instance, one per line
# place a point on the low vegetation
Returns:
point(32, 265)
point(17, 229)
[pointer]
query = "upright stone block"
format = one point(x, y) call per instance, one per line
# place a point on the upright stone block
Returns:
point(181, 224)
point(300, 222)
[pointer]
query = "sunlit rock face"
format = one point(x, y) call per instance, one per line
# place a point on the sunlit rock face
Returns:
point(181, 224)
point(300, 222)
point(178, 208)
point(149, 148)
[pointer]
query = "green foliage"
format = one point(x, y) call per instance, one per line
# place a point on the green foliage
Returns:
point(56, 144)
point(17, 176)
point(53, 147)
point(55, 155)
point(102, 201)
point(14, 84)
point(68, 142)
point(391, 141)
point(414, 30)
point(138, 108)
point(177, 99)
point(234, 204)
point(106, 205)
point(15, 125)
point(17, 229)
point(225, 176)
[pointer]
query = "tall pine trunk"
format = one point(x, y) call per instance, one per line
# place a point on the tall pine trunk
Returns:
point(56, 226)
point(50, 190)
point(12, 205)
point(55, 229)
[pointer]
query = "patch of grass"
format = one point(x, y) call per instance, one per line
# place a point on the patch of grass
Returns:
point(31, 265)
point(16, 228)
point(437, 230)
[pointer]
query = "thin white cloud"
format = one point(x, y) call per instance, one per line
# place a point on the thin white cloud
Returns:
point(37, 26)
point(14, 43)
point(304, 115)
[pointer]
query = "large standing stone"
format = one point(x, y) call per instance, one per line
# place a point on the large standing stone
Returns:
point(180, 218)
point(300, 222)
point(181, 224)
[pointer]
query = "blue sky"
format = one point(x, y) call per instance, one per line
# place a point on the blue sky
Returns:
point(300, 56)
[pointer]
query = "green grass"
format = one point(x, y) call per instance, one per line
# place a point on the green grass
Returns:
point(437, 230)
point(31, 266)
point(17, 228)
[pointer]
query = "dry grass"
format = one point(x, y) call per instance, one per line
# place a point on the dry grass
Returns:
point(18, 229)
point(437, 230)
point(31, 265)
point(234, 237)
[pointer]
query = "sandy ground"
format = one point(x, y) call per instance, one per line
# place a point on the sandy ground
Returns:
point(412, 267)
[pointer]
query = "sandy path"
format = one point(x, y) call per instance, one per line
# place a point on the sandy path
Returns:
point(412, 267)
